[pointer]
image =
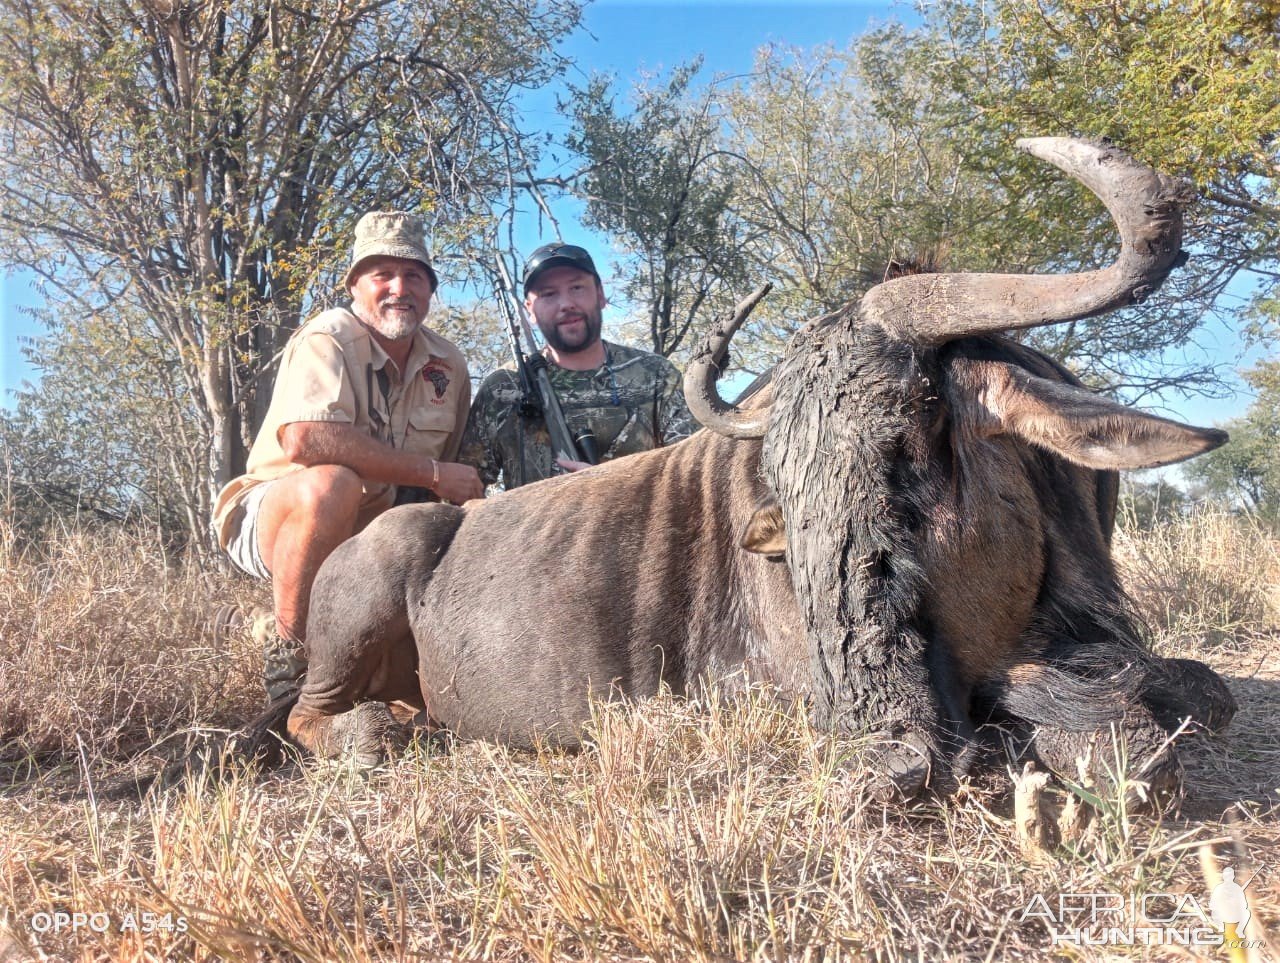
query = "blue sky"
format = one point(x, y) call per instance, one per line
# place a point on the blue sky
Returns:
point(629, 37)
point(633, 38)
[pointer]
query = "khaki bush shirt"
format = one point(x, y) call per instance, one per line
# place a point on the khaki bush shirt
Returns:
point(333, 370)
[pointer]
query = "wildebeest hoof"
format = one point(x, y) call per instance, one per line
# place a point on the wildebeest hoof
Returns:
point(900, 767)
point(1137, 755)
point(366, 736)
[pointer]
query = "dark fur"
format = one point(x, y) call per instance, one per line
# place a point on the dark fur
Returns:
point(841, 419)
point(881, 458)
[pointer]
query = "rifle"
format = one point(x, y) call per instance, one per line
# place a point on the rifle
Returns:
point(538, 397)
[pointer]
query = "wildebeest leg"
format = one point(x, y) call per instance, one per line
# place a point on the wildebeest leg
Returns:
point(1075, 702)
point(1178, 689)
point(358, 636)
point(957, 737)
point(1135, 747)
point(904, 697)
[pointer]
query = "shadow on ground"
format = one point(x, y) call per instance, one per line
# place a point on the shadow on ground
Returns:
point(1240, 767)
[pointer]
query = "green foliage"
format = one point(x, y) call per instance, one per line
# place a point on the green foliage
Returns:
point(901, 148)
point(847, 170)
point(1186, 84)
point(1146, 504)
point(1246, 470)
point(110, 434)
point(200, 165)
point(815, 172)
point(657, 182)
point(479, 331)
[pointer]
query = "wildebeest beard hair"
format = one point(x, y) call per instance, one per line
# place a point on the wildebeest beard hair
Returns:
point(840, 454)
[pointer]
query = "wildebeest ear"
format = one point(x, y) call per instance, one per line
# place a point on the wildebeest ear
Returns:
point(1086, 428)
point(766, 533)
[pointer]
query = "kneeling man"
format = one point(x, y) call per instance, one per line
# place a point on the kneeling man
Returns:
point(368, 405)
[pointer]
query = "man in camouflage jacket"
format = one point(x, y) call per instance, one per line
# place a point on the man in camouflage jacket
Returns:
point(630, 400)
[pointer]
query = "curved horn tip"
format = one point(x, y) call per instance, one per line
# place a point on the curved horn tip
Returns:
point(1073, 155)
point(701, 394)
point(1047, 145)
point(1042, 145)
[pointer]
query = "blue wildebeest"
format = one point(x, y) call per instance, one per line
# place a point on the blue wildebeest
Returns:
point(909, 528)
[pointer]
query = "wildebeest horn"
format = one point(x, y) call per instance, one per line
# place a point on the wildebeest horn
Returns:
point(700, 390)
point(1147, 208)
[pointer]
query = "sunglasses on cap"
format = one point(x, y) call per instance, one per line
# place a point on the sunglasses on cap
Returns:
point(557, 255)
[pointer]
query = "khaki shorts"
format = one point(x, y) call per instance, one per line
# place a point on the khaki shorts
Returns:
point(242, 547)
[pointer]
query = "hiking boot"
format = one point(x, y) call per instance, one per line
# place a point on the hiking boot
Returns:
point(230, 619)
point(284, 663)
point(227, 620)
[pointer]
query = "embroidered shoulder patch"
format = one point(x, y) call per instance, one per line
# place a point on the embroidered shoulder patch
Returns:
point(437, 372)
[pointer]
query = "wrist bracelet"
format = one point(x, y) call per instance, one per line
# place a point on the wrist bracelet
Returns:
point(435, 473)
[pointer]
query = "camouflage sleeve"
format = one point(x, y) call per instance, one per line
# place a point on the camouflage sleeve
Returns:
point(479, 448)
point(674, 420)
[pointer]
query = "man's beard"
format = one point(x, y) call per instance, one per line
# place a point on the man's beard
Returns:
point(393, 325)
point(593, 320)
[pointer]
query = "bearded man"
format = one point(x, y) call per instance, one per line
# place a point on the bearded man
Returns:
point(368, 410)
point(626, 399)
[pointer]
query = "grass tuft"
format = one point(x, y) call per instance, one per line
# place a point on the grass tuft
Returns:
point(1207, 582)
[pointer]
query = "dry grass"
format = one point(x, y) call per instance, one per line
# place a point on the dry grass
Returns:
point(107, 646)
point(706, 830)
point(1206, 582)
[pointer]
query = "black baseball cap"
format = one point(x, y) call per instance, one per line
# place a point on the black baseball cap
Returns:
point(557, 254)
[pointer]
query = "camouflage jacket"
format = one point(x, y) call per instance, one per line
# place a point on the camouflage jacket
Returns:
point(631, 403)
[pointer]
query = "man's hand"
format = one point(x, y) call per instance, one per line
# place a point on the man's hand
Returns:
point(333, 443)
point(569, 464)
point(458, 483)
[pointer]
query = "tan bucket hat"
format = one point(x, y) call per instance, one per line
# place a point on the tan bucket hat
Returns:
point(391, 234)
